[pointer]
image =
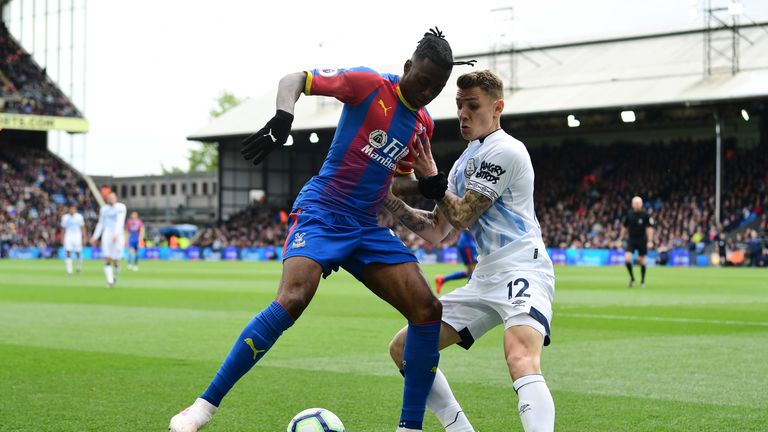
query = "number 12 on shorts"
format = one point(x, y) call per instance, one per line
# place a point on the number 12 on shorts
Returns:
point(512, 285)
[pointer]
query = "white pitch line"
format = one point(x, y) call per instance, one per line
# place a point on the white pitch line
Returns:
point(680, 320)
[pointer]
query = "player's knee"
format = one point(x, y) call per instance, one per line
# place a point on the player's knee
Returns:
point(295, 298)
point(294, 303)
point(429, 309)
point(396, 347)
point(522, 362)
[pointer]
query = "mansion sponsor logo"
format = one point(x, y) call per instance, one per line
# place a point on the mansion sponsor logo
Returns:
point(384, 151)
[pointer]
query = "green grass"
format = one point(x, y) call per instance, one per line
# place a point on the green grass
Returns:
point(688, 353)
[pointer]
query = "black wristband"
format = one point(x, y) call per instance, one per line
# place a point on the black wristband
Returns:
point(434, 187)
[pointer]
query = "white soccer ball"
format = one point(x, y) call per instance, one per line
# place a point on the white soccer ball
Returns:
point(315, 420)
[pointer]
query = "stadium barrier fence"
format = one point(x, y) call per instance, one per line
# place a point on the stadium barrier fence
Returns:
point(448, 255)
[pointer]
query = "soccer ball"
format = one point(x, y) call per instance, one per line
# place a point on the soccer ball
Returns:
point(315, 420)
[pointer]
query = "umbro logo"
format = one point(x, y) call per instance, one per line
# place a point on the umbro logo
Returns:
point(524, 408)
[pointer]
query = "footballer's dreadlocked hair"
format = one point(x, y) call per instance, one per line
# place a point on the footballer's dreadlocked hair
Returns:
point(434, 47)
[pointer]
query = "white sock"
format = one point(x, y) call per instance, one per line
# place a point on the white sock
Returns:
point(79, 262)
point(402, 429)
point(442, 402)
point(69, 265)
point(536, 407)
point(108, 274)
point(117, 271)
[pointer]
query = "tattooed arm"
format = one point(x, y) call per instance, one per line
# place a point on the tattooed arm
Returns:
point(405, 185)
point(431, 226)
point(463, 212)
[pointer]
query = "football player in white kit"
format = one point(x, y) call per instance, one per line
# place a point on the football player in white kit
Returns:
point(110, 229)
point(489, 192)
point(74, 237)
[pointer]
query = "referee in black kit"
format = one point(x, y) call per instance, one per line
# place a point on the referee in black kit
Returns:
point(639, 224)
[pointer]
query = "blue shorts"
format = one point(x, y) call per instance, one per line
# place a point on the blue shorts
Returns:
point(133, 244)
point(468, 255)
point(334, 240)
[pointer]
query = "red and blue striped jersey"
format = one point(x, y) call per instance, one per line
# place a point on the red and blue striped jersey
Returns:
point(133, 226)
point(376, 129)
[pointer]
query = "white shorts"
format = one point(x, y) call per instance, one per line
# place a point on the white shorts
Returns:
point(112, 249)
point(73, 243)
point(511, 298)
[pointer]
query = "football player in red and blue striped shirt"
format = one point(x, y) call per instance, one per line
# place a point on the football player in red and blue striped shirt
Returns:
point(333, 222)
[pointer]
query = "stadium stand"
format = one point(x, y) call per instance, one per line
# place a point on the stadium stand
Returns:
point(254, 226)
point(583, 192)
point(24, 86)
point(567, 102)
point(35, 189)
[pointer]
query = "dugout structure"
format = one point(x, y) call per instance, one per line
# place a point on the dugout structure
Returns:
point(641, 89)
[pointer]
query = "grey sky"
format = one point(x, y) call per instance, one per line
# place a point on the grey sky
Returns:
point(154, 68)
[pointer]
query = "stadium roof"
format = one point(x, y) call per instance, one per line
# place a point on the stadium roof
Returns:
point(659, 69)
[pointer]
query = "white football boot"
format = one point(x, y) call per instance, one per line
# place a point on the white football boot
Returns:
point(194, 418)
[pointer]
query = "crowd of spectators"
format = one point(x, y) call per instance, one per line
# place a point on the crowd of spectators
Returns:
point(255, 226)
point(583, 193)
point(25, 87)
point(35, 190)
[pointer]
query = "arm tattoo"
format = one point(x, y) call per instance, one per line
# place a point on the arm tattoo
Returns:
point(414, 219)
point(405, 185)
point(464, 212)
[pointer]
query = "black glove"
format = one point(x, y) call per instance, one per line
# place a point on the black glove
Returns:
point(268, 138)
point(434, 187)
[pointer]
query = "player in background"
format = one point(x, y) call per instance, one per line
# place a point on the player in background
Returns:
point(110, 229)
point(135, 230)
point(468, 252)
point(74, 237)
point(333, 223)
point(490, 192)
point(638, 224)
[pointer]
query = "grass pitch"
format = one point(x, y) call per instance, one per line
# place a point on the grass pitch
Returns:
point(688, 353)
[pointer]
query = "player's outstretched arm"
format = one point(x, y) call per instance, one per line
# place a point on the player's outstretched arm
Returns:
point(275, 133)
point(431, 226)
point(463, 212)
point(289, 89)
